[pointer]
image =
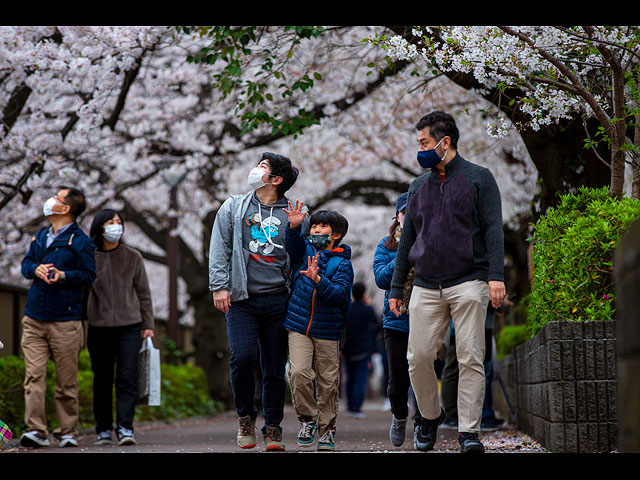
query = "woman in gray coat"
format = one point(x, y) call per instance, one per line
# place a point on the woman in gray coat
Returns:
point(120, 316)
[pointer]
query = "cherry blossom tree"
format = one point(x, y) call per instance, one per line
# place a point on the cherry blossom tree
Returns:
point(549, 74)
point(121, 113)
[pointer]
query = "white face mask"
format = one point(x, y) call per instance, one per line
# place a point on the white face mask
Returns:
point(255, 178)
point(112, 233)
point(47, 208)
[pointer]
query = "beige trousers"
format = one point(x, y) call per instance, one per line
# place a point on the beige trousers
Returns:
point(314, 359)
point(429, 314)
point(60, 341)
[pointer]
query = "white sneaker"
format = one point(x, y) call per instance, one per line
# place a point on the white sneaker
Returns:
point(125, 436)
point(33, 439)
point(104, 438)
point(68, 441)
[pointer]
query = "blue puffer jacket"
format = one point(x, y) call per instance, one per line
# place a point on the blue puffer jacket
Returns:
point(73, 252)
point(384, 260)
point(318, 310)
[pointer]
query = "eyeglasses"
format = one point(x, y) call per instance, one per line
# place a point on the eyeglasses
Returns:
point(59, 200)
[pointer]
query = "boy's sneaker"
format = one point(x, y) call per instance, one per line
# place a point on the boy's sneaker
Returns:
point(246, 432)
point(491, 424)
point(273, 438)
point(125, 436)
point(425, 435)
point(327, 441)
point(68, 441)
point(33, 439)
point(104, 438)
point(398, 431)
point(307, 433)
point(469, 443)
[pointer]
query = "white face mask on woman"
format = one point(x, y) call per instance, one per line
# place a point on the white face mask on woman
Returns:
point(112, 233)
point(255, 178)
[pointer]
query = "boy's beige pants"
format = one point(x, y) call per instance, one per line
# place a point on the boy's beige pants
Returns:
point(60, 341)
point(429, 314)
point(314, 359)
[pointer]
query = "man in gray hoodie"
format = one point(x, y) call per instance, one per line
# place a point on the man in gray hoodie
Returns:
point(250, 276)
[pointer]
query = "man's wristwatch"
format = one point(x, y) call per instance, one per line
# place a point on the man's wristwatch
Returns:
point(63, 277)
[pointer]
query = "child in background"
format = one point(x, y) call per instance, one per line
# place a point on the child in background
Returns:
point(315, 319)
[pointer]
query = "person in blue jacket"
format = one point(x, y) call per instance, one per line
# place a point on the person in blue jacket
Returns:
point(359, 345)
point(319, 303)
point(395, 328)
point(61, 263)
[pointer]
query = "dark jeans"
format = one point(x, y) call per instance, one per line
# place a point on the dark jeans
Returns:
point(255, 332)
point(356, 384)
point(396, 343)
point(117, 347)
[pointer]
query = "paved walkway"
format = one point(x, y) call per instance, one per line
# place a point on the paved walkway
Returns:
point(217, 435)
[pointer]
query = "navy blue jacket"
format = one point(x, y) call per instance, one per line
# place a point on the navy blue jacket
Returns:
point(318, 310)
point(73, 252)
point(452, 231)
point(384, 260)
point(360, 340)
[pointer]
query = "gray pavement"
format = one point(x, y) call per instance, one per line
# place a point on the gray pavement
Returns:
point(217, 435)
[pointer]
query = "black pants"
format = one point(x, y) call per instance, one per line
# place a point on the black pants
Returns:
point(256, 337)
point(114, 350)
point(395, 343)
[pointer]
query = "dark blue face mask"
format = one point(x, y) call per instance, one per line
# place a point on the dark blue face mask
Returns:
point(429, 158)
point(320, 241)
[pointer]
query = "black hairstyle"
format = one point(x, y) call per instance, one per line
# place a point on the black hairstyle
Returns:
point(358, 290)
point(281, 167)
point(95, 232)
point(440, 125)
point(76, 201)
point(338, 223)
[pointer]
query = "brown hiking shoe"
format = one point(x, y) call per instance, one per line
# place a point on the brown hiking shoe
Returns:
point(273, 438)
point(246, 432)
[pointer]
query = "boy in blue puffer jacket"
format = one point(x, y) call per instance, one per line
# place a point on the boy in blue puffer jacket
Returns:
point(315, 319)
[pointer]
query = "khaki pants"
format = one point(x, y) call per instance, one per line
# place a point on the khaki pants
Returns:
point(466, 304)
point(314, 359)
point(60, 341)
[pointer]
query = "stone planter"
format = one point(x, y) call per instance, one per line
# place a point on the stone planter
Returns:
point(563, 386)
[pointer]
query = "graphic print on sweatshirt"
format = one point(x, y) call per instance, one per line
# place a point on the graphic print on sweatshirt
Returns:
point(264, 235)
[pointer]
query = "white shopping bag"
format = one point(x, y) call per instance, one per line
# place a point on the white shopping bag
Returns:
point(149, 374)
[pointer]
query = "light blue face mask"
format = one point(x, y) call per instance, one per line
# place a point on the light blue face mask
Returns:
point(112, 233)
point(320, 241)
point(429, 158)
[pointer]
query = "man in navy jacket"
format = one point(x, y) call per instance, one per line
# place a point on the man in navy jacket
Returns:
point(61, 262)
point(453, 238)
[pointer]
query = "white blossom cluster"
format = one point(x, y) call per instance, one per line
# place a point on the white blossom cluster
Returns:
point(497, 58)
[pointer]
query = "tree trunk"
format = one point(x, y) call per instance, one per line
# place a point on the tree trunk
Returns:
point(212, 348)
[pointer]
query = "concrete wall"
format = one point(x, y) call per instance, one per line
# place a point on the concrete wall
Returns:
point(628, 324)
point(563, 386)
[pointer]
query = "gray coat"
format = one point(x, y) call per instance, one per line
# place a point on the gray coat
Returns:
point(227, 258)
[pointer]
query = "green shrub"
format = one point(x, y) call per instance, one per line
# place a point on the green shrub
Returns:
point(573, 257)
point(184, 393)
point(510, 337)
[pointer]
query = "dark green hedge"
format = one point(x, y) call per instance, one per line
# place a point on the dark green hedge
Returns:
point(574, 244)
point(184, 394)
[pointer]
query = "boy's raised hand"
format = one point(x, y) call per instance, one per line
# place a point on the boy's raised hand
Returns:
point(296, 215)
point(312, 269)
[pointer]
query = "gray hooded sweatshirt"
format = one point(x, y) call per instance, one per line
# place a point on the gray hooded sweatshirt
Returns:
point(228, 258)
